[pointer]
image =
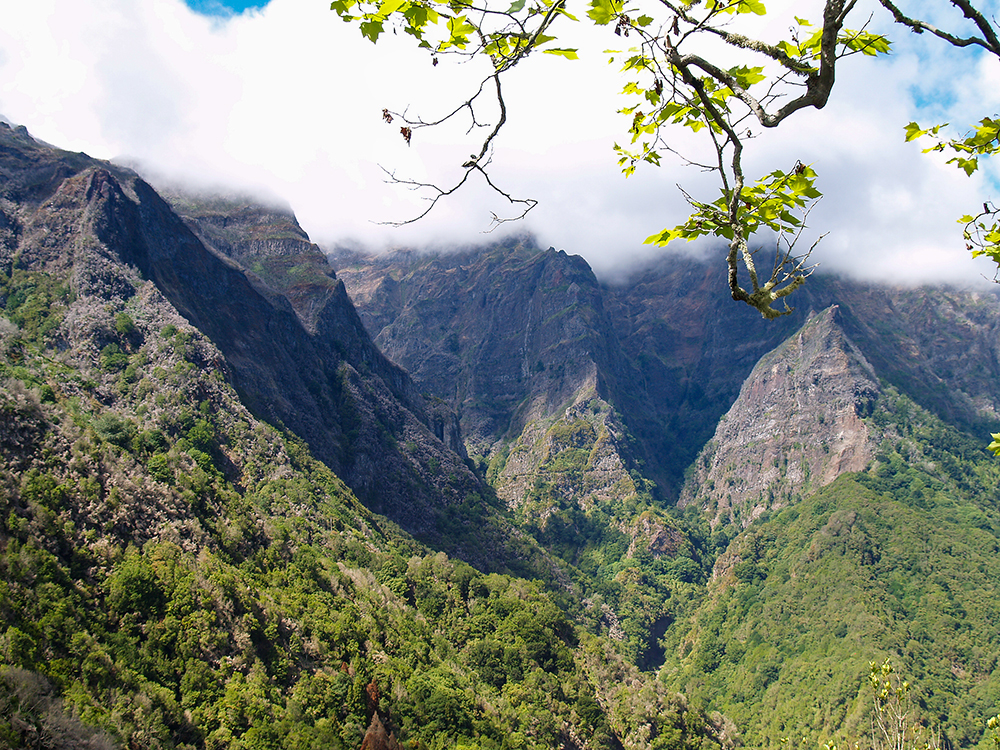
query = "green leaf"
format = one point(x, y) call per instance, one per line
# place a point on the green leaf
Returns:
point(371, 30)
point(602, 12)
point(342, 7)
point(967, 165)
point(789, 49)
point(747, 77)
point(995, 445)
point(569, 54)
point(913, 132)
point(388, 7)
point(418, 16)
point(663, 238)
point(516, 7)
point(459, 29)
point(751, 6)
point(865, 42)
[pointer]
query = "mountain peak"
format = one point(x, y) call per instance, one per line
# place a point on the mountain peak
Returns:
point(797, 423)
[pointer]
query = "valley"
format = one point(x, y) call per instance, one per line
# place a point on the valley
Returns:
point(256, 494)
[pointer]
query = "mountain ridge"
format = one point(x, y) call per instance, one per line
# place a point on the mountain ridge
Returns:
point(333, 388)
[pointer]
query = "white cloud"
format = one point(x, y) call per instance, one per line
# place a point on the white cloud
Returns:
point(289, 100)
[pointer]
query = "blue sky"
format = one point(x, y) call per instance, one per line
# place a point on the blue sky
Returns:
point(224, 7)
point(286, 100)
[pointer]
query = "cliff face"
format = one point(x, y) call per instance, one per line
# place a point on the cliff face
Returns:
point(514, 338)
point(938, 345)
point(508, 333)
point(508, 336)
point(797, 424)
point(517, 339)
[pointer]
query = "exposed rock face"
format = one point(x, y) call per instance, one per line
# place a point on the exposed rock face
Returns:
point(940, 346)
point(517, 339)
point(797, 423)
point(649, 533)
point(692, 348)
point(514, 338)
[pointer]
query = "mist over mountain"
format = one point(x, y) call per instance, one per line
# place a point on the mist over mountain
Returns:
point(255, 496)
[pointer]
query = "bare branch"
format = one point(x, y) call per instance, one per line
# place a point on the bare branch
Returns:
point(476, 163)
point(988, 42)
point(479, 162)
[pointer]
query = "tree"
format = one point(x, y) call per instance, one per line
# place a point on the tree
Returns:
point(677, 83)
point(893, 728)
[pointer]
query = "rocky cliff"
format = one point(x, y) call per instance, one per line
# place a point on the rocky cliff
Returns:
point(797, 424)
point(506, 332)
point(516, 339)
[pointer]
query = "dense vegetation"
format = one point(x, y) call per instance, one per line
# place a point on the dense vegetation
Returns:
point(899, 562)
point(177, 573)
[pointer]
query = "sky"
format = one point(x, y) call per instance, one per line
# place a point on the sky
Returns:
point(285, 100)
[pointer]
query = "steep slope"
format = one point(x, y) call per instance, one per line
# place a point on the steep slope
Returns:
point(509, 335)
point(797, 423)
point(940, 346)
point(884, 547)
point(899, 564)
point(324, 379)
point(692, 349)
point(517, 339)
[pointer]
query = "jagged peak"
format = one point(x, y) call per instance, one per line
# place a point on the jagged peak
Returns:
point(797, 424)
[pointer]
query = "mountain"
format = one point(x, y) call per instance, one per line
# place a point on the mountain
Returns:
point(667, 351)
point(474, 499)
point(798, 422)
point(178, 567)
point(315, 372)
point(517, 341)
point(853, 423)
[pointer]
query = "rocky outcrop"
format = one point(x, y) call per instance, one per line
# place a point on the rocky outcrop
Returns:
point(511, 336)
point(798, 423)
point(939, 345)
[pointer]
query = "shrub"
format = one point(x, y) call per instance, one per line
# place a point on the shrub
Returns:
point(113, 358)
point(112, 428)
point(134, 587)
point(124, 325)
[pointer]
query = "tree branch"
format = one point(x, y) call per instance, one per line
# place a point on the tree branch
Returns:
point(989, 42)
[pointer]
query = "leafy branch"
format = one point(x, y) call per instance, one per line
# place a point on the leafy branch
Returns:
point(982, 230)
point(676, 83)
